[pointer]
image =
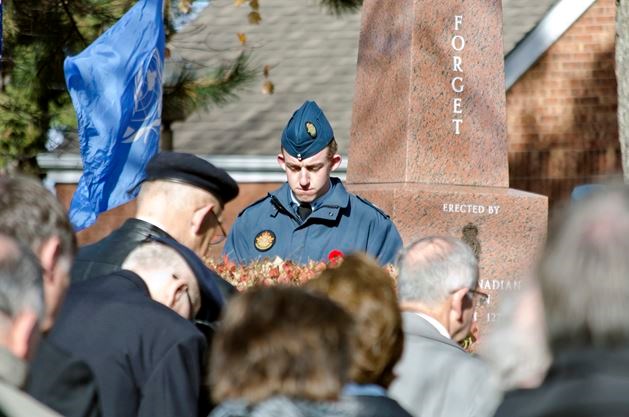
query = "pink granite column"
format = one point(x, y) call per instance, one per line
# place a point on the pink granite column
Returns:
point(428, 140)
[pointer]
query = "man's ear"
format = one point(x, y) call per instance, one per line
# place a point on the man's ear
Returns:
point(202, 218)
point(281, 161)
point(24, 335)
point(49, 254)
point(336, 161)
point(459, 304)
point(175, 297)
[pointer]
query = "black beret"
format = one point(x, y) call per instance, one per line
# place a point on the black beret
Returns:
point(192, 170)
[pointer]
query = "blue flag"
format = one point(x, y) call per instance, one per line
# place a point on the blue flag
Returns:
point(116, 90)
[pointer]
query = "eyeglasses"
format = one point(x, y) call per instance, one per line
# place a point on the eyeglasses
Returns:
point(483, 299)
point(218, 238)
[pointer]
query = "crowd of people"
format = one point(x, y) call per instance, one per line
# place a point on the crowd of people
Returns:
point(137, 325)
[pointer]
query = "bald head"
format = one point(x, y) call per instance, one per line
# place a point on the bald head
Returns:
point(187, 213)
point(168, 277)
point(161, 198)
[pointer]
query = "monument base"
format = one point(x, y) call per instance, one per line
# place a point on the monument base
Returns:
point(506, 227)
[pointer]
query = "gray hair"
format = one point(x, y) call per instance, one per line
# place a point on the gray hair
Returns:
point(32, 214)
point(153, 256)
point(584, 272)
point(433, 267)
point(20, 280)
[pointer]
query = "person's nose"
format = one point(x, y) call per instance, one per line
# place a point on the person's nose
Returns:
point(304, 178)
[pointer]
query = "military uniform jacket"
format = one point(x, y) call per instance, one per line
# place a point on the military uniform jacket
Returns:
point(147, 359)
point(339, 220)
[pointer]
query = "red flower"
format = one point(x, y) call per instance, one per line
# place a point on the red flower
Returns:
point(335, 256)
point(274, 272)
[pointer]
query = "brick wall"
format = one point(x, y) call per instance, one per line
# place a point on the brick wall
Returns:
point(561, 115)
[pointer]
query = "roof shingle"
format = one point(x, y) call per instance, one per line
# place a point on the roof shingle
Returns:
point(312, 56)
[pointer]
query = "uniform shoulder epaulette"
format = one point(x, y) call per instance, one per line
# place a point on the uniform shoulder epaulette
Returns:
point(372, 205)
point(255, 203)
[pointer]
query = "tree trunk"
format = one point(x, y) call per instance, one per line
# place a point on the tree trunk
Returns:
point(166, 141)
point(622, 79)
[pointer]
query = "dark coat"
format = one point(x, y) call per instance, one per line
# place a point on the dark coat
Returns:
point(374, 406)
point(62, 382)
point(146, 358)
point(580, 383)
point(339, 220)
point(108, 254)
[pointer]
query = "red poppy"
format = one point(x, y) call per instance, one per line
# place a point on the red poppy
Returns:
point(335, 256)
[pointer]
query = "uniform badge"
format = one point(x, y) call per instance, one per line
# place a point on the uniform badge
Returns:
point(311, 129)
point(264, 240)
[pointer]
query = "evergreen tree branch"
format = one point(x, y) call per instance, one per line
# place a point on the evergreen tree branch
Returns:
point(339, 7)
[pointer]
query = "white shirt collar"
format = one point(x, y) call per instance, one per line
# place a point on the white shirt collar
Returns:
point(436, 324)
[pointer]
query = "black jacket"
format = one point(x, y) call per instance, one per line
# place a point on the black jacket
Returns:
point(146, 358)
point(62, 382)
point(108, 254)
point(579, 383)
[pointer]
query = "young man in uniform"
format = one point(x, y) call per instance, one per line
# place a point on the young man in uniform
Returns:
point(312, 215)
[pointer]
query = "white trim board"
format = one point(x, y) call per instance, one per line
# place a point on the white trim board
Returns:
point(67, 168)
point(552, 26)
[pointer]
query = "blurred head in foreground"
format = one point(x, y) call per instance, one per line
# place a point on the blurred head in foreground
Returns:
point(280, 341)
point(33, 215)
point(367, 292)
point(584, 272)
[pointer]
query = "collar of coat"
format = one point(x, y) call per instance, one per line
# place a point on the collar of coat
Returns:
point(415, 325)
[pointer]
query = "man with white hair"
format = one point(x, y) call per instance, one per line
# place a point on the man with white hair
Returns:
point(133, 327)
point(21, 311)
point(437, 292)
